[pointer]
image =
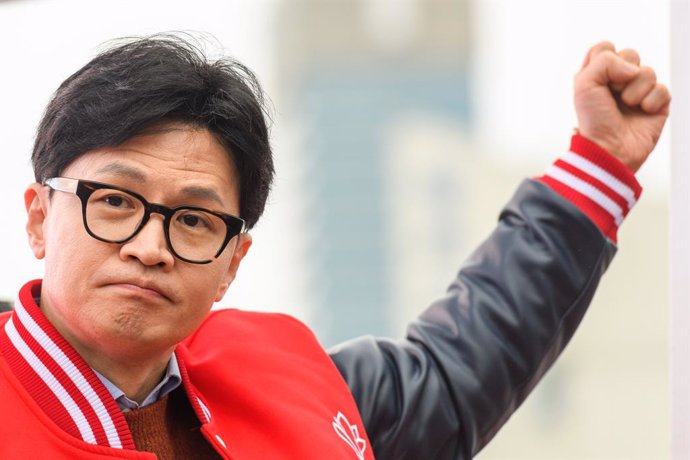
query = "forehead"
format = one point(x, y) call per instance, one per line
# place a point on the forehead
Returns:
point(164, 160)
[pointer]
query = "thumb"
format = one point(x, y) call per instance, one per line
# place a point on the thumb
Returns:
point(607, 67)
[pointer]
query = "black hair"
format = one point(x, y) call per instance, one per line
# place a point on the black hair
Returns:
point(139, 83)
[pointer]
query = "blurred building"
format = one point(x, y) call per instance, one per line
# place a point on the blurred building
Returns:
point(351, 73)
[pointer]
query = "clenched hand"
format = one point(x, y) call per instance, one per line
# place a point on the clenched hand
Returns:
point(619, 103)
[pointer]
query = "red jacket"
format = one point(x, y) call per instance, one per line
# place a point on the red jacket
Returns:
point(260, 384)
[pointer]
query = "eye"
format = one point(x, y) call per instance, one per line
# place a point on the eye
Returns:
point(118, 201)
point(196, 220)
point(191, 220)
point(114, 200)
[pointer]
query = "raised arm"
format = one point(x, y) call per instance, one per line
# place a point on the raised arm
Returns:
point(473, 356)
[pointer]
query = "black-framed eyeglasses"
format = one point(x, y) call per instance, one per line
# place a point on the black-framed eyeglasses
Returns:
point(115, 215)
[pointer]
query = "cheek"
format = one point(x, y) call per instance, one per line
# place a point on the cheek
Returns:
point(70, 253)
point(204, 285)
point(63, 228)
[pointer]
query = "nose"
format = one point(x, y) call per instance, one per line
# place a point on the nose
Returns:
point(149, 246)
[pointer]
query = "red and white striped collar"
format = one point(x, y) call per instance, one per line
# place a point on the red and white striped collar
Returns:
point(63, 385)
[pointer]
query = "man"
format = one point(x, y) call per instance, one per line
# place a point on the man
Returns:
point(151, 164)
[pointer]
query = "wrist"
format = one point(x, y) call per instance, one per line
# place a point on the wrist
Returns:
point(595, 181)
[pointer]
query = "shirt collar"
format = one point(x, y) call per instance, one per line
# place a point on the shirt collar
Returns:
point(170, 381)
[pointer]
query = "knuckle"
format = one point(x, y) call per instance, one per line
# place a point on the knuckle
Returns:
point(603, 45)
point(656, 99)
point(608, 56)
point(663, 91)
point(603, 57)
point(629, 55)
point(629, 98)
point(650, 104)
point(647, 73)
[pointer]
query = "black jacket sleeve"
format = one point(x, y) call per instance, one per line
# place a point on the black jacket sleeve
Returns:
point(473, 356)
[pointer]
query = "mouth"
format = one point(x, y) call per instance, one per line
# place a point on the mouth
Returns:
point(141, 289)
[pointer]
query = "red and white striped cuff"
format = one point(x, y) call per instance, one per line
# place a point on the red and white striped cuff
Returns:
point(596, 182)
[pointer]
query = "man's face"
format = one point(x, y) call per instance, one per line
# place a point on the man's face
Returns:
point(136, 297)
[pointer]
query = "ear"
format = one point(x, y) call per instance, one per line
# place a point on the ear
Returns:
point(35, 200)
point(244, 242)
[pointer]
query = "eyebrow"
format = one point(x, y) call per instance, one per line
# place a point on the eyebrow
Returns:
point(190, 191)
point(124, 171)
point(204, 193)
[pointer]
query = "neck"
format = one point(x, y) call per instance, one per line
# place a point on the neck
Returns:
point(135, 380)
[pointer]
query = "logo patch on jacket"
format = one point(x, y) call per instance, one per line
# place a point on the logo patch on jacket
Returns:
point(349, 434)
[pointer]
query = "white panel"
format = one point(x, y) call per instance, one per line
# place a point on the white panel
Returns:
point(680, 230)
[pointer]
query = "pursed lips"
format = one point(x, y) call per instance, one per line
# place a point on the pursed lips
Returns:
point(141, 287)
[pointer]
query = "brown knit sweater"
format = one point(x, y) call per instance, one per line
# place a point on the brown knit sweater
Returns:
point(170, 429)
